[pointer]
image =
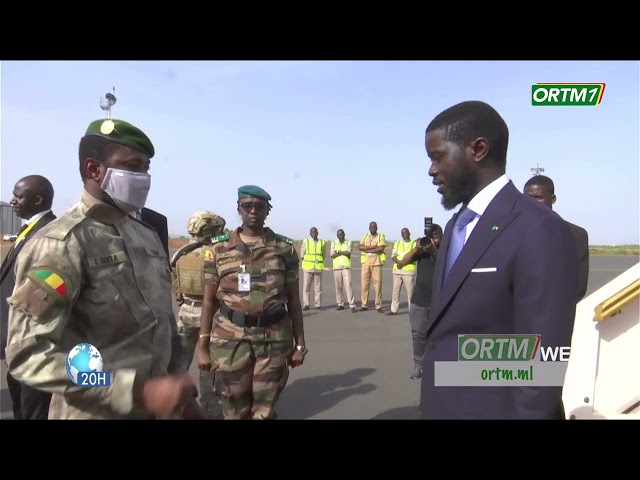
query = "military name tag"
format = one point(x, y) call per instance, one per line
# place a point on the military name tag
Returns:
point(244, 282)
point(107, 259)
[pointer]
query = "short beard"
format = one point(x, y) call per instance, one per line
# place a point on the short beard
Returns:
point(460, 192)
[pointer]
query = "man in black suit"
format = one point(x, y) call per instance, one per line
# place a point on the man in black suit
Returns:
point(542, 189)
point(506, 265)
point(159, 223)
point(32, 200)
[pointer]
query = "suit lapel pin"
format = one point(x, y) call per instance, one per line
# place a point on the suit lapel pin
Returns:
point(494, 228)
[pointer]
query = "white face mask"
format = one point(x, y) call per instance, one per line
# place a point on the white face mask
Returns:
point(128, 190)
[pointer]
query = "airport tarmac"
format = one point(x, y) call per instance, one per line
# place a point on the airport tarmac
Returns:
point(358, 364)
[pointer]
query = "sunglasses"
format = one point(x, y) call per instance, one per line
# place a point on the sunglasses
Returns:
point(260, 207)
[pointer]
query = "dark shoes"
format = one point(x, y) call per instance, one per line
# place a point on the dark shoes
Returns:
point(353, 309)
point(416, 372)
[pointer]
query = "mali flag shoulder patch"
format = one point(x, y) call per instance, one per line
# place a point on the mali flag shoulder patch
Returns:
point(51, 280)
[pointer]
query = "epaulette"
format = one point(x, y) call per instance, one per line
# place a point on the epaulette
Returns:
point(284, 239)
point(61, 227)
point(220, 238)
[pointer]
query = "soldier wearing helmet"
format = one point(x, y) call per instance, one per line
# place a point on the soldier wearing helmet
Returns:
point(188, 286)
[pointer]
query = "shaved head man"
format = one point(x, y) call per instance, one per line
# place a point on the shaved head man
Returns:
point(32, 200)
point(542, 189)
point(31, 195)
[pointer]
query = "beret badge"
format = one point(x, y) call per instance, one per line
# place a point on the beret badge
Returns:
point(107, 127)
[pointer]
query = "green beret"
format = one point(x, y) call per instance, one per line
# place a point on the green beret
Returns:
point(123, 133)
point(253, 191)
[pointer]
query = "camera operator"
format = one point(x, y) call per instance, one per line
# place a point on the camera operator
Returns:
point(424, 253)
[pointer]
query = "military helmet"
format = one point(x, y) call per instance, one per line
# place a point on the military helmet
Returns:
point(205, 218)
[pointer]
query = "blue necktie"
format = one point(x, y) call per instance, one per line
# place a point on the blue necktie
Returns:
point(457, 237)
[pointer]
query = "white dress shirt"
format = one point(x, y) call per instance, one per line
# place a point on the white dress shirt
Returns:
point(37, 216)
point(481, 201)
point(29, 222)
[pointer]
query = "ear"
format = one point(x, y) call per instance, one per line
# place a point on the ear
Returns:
point(39, 200)
point(479, 149)
point(553, 199)
point(92, 169)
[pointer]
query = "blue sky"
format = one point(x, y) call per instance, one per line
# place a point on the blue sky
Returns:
point(337, 144)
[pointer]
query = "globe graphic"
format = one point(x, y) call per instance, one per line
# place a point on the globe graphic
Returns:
point(84, 357)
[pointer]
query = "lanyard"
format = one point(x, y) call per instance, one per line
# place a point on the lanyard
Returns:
point(26, 230)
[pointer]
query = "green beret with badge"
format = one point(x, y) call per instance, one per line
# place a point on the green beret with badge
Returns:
point(123, 133)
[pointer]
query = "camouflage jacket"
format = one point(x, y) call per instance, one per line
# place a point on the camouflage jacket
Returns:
point(272, 263)
point(98, 276)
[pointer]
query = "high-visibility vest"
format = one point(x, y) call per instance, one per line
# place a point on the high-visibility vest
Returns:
point(381, 241)
point(313, 255)
point(342, 261)
point(402, 249)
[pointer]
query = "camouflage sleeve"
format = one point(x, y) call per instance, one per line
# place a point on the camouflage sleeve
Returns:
point(49, 280)
point(174, 284)
point(292, 264)
point(210, 270)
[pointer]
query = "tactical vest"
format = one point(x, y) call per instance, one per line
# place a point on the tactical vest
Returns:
point(189, 270)
point(401, 250)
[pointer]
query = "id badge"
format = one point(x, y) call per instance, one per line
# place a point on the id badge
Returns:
point(244, 282)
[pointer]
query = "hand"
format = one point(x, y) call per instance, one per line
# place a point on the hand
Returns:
point(296, 359)
point(431, 248)
point(203, 355)
point(164, 396)
point(193, 411)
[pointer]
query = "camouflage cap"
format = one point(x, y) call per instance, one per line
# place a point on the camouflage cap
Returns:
point(253, 191)
point(123, 133)
point(199, 220)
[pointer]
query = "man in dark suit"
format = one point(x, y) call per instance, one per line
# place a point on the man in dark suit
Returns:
point(542, 189)
point(506, 265)
point(32, 200)
point(159, 223)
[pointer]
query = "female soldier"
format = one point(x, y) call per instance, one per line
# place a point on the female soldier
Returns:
point(252, 277)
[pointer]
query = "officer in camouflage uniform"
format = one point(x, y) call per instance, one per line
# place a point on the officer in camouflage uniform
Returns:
point(98, 275)
point(252, 277)
point(188, 286)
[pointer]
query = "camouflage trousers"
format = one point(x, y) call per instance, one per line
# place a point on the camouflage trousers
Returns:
point(252, 369)
point(188, 329)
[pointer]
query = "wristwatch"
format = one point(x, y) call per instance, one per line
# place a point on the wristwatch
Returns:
point(302, 349)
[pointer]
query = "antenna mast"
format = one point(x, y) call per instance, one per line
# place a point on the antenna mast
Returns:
point(537, 169)
point(108, 102)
